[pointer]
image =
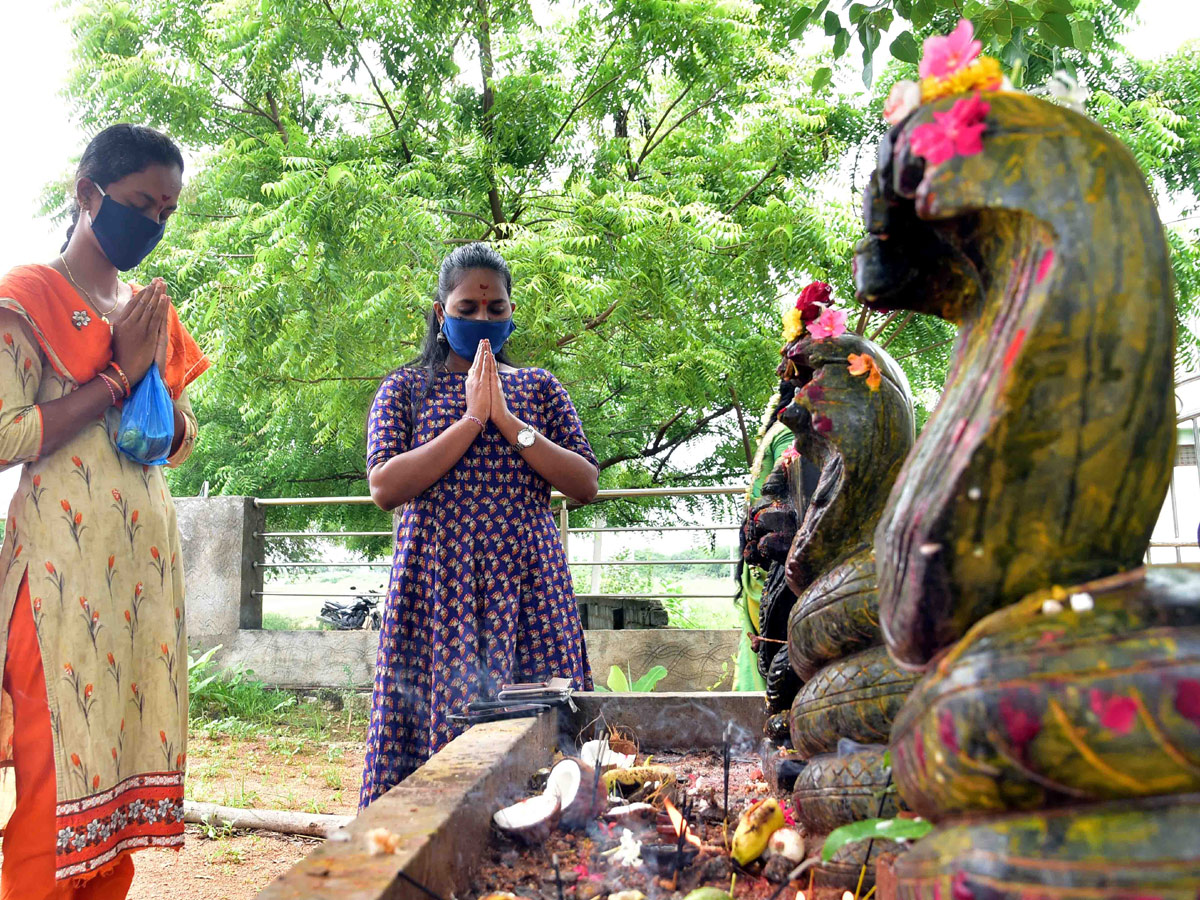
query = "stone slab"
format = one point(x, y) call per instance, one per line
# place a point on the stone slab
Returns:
point(676, 721)
point(695, 660)
point(442, 815)
point(220, 544)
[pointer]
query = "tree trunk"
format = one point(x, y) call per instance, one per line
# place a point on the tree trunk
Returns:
point(486, 70)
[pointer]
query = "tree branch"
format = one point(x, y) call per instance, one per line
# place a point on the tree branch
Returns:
point(741, 419)
point(746, 196)
point(650, 148)
point(251, 107)
point(925, 348)
point(886, 322)
point(650, 137)
point(899, 328)
point(658, 446)
point(590, 325)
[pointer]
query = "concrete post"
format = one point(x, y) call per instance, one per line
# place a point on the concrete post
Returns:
point(222, 541)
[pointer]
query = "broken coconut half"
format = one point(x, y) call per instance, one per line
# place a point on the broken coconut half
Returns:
point(581, 796)
point(632, 815)
point(530, 821)
point(611, 757)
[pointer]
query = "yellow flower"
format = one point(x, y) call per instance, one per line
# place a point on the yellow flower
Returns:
point(982, 75)
point(793, 325)
point(864, 364)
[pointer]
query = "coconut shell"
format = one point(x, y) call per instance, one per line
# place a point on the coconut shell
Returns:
point(590, 798)
point(530, 821)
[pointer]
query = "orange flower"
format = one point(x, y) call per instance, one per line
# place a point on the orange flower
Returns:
point(122, 723)
point(179, 761)
point(128, 618)
point(116, 495)
point(28, 364)
point(95, 617)
point(114, 753)
point(864, 364)
point(133, 687)
point(133, 518)
point(37, 480)
point(162, 736)
point(83, 602)
point(111, 561)
point(137, 590)
point(165, 649)
point(50, 568)
point(177, 614)
point(88, 690)
point(78, 518)
point(37, 604)
point(111, 660)
point(8, 339)
point(154, 552)
point(75, 759)
point(66, 506)
point(17, 552)
point(95, 782)
point(69, 669)
point(78, 462)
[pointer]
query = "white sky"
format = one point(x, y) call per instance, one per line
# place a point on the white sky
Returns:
point(44, 139)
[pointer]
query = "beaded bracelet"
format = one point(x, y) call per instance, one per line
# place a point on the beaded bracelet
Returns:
point(121, 374)
point(109, 383)
point(482, 427)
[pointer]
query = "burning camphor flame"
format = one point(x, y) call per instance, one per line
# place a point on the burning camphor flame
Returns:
point(678, 823)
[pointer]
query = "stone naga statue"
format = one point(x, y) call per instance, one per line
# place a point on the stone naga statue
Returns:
point(1048, 458)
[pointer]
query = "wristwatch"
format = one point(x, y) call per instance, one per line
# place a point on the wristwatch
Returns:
point(525, 437)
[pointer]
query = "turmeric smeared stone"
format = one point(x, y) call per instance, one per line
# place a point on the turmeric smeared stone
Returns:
point(1114, 851)
point(1091, 693)
point(754, 830)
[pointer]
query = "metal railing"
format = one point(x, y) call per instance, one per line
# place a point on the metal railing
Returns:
point(563, 505)
point(1180, 541)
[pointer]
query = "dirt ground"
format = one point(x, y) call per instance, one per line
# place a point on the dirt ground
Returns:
point(279, 773)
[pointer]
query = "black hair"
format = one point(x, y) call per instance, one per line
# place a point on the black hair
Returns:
point(454, 268)
point(118, 151)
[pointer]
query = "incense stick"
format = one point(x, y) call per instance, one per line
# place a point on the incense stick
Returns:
point(725, 754)
point(557, 876)
point(420, 887)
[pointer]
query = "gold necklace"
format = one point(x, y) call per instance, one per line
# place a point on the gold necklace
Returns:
point(103, 315)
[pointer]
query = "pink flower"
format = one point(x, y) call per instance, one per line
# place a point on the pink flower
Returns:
point(812, 299)
point(822, 424)
point(1116, 713)
point(956, 132)
point(1021, 725)
point(1187, 700)
point(946, 55)
point(904, 98)
point(830, 324)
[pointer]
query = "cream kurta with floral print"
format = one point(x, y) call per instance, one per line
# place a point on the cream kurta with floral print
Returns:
point(96, 535)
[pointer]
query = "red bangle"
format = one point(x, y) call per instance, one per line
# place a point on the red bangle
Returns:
point(121, 374)
point(482, 427)
point(108, 383)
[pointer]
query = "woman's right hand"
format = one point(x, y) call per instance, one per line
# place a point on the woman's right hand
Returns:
point(136, 333)
point(479, 388)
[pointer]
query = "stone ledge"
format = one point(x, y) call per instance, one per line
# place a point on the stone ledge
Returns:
point(442, 815)
point(677, 721)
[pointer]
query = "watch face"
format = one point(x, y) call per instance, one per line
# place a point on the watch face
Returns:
point(525, 437)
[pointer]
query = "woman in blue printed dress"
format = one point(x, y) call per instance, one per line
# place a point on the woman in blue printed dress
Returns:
point(469, 447)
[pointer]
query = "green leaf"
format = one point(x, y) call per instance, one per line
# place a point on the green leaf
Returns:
point(617, 682)
point(650, 679)
point(888, 829)
point(905, 48)
point(832, 24)
point(841, 43)
point(857, 11)
point(1057, 6)
point(1084, 33)
point(922, 13)
point(821, 79)
point(1055, 28)
point(1127, 5)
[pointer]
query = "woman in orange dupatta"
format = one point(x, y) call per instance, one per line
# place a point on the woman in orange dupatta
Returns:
point(93, 719)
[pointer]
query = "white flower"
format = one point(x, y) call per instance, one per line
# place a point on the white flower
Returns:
point(904, 98)
point(629, 853)
point(1082, 602)
point(1066, 91)
point(1051, 607)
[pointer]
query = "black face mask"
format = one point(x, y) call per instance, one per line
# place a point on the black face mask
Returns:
point(124, 234)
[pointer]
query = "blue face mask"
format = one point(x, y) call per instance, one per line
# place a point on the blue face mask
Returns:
point(464, 335)
point(124, 234)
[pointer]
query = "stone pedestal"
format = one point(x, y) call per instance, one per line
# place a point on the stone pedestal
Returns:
point(222, 541)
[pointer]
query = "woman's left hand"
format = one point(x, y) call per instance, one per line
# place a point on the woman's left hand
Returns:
point(499, 403)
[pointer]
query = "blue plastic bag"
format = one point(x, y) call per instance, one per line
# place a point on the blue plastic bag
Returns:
point(147, 428)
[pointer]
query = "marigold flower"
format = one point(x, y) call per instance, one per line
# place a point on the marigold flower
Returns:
point(793, 325)
point(982, 75)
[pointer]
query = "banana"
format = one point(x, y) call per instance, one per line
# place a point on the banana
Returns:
point(754, 830)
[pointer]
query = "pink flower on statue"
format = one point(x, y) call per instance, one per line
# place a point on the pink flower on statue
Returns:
point(956, 132)
point(1187, 700)
point(946, 55)
point(1021, 725)
point(1115, 712)
point(830, 324)
point(904, 98)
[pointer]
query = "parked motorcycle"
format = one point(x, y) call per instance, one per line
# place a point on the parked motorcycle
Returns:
point(353, 613)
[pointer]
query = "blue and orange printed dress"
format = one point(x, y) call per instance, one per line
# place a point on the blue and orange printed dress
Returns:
point(480, 591)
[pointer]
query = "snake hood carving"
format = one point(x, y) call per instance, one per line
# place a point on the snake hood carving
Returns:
point(857, 429)
point(1047, 460)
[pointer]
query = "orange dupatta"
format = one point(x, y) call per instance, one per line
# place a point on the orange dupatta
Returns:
point(50, 307)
